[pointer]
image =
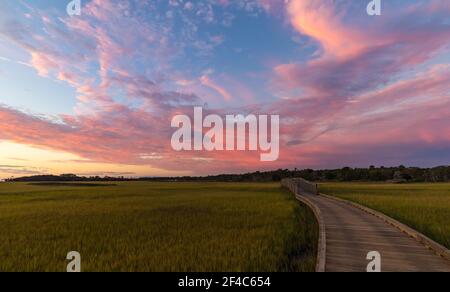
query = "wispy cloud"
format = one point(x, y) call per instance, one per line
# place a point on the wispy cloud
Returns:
point(205, 80)
point(372, 91)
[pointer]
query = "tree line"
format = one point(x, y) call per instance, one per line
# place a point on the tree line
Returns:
point(400, 174)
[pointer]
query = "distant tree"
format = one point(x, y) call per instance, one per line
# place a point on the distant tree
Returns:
point(401, 174)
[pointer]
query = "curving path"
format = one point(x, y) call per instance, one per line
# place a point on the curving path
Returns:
point(352, 233)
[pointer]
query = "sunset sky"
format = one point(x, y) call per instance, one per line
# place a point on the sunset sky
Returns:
point(95, 94)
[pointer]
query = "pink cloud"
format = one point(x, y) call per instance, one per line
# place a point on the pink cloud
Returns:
point(321, 21)
point(352, 104)
point(206, 81)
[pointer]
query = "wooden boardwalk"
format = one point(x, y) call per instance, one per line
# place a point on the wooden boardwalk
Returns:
point(352, 233)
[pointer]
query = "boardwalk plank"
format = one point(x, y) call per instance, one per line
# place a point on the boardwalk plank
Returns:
point(352, 233)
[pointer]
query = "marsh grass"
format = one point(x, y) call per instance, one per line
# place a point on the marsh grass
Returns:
point(141, 226)
point(424, 207)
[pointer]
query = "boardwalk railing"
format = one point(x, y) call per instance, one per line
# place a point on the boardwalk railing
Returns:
point(299, 186)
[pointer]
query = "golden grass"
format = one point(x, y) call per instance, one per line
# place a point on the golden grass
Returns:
point(141, 226)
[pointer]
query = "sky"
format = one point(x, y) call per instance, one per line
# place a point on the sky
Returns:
point(94, 94)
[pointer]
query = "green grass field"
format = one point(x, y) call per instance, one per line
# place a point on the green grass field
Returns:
point(140, 226)
point(424, 207)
